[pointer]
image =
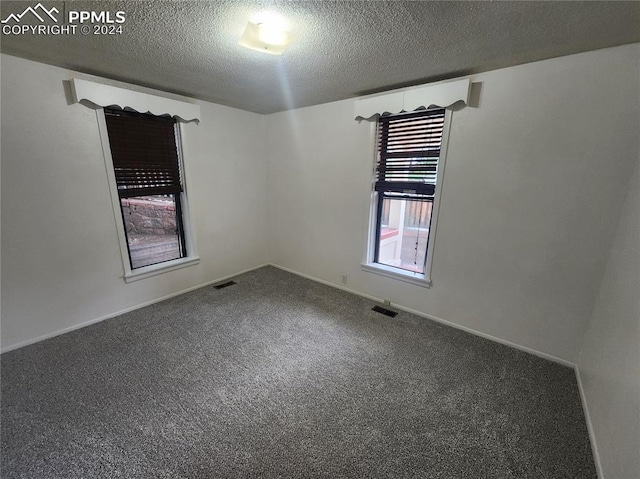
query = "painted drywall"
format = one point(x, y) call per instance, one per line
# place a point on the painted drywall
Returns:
point(524, 228)
point(609, 364)
point(533, 176)
point(61, 264)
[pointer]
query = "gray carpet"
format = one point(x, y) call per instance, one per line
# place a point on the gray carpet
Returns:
point(279, 376)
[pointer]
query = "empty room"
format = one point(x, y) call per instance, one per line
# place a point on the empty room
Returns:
point(320, 239)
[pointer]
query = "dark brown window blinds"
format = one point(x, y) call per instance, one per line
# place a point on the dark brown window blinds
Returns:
point(144, 153)
point(408, 152)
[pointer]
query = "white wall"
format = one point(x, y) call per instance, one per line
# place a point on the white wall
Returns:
point(533, 176)
point(528, 209)
point(609, 364)
point(61, 264)
point(536, 178)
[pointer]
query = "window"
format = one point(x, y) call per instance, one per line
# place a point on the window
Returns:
point(145, 155)
point(409, 161)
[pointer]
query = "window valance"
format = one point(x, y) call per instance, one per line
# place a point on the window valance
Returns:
point(442, 95)
point(107, 95)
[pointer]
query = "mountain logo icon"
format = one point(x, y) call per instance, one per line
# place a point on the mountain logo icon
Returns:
point(34, 11)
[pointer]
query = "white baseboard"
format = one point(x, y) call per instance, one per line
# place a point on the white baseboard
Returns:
point(555, 359)
point(587, 417)
point(564, 362)
point(123, 311)
point(328, 283)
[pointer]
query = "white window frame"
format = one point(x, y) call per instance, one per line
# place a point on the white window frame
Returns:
point(419, 279)
point(137, 274)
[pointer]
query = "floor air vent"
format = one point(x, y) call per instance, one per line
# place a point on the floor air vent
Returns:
point(224, 285)
point(386, 312)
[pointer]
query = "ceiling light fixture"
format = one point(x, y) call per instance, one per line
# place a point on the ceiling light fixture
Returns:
point(269, 36)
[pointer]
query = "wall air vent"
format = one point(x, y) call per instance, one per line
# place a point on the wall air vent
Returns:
point(386, 312)
point(224, 285)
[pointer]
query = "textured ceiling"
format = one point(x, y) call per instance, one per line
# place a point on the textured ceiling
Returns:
point(341, 49)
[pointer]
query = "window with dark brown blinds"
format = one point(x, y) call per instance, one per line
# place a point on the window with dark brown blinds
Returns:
point(408, 153)
point(144, 152)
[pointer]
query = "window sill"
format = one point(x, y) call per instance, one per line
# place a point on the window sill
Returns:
point(155, 269)
point(395, 273)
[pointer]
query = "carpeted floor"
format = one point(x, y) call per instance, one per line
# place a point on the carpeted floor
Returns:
point(279, 376)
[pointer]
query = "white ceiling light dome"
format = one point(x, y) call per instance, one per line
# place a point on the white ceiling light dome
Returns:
point(267, 32)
